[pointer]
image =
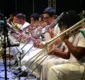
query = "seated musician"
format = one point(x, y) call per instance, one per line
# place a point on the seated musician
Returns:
point(33, 23)
point(49, 17)
point(73, 69)
point(21, 20)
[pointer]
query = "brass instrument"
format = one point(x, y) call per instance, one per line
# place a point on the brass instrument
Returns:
point(16, 26)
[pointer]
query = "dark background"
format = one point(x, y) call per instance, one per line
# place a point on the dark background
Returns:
point(26, 6)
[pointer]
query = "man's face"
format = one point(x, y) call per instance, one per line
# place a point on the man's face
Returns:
point(48, 19)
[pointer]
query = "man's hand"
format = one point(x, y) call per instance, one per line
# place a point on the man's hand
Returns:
point(64, 36)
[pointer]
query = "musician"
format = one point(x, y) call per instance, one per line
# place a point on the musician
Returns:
point(21, 20)
point(34, 23)
point(49, 16)
point(73, 69)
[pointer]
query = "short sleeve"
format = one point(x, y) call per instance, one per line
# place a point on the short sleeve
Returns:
point(81, 42)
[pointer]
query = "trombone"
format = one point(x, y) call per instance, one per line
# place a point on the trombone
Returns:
point(70, 30)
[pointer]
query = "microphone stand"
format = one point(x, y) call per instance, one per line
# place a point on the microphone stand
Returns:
point(5, 32)
point(6, 43)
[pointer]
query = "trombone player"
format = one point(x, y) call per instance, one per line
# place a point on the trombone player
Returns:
point(73, 69)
